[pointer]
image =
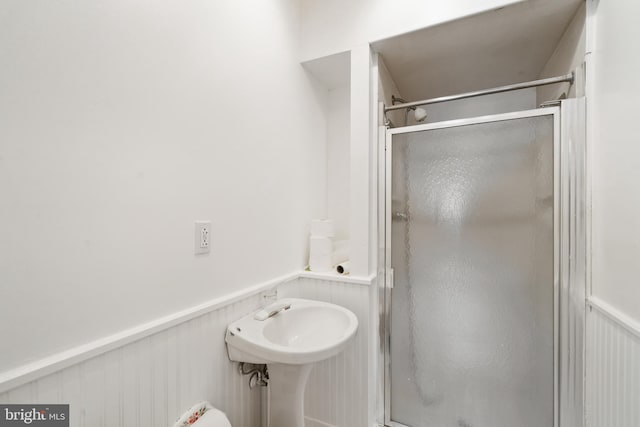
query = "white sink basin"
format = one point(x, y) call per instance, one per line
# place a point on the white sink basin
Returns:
point(290, 336)
point(306, 332)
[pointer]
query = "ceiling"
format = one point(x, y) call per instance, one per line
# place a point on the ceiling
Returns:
point(500, 47)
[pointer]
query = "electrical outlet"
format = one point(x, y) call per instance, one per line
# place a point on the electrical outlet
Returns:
point(203, 237)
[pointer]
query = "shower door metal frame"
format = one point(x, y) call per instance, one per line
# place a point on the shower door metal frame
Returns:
point(569, 251)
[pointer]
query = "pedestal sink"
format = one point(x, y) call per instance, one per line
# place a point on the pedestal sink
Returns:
point(290, 336)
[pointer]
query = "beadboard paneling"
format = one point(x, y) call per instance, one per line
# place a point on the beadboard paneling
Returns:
point(337, 389)
point(613, 369)
point(152, 381)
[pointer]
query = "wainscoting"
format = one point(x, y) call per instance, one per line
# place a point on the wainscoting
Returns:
point(152, 381)
point(613, 368)
point(149, 378)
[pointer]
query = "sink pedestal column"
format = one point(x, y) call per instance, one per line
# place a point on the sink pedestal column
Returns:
point(286, 394)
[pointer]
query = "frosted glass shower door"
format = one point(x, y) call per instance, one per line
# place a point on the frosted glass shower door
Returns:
point(472, 250)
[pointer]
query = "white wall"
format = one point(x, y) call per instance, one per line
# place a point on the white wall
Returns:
point(613, 320)
point(362, 144)
point(121, 123)
point(387, 88)
point(567, 56)
point(338, 159)
point(331, 26)
point(613, 90)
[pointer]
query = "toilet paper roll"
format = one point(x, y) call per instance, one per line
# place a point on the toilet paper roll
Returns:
point(320, 246)
point(322, 228)
point(343, 268)
point(203, 415)
point(340, 252)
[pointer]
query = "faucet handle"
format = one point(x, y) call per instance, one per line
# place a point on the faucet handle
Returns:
point(272, 310)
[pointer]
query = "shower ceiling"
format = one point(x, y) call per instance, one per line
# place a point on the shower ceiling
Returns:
point(505, 46)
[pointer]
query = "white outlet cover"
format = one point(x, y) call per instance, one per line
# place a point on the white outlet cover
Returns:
point(202, 237)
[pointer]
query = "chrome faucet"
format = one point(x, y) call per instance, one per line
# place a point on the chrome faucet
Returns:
point(272, 310)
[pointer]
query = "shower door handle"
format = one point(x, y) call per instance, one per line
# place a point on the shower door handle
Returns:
point(399, 216)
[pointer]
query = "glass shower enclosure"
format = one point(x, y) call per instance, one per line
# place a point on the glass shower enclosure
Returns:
point(473, 290)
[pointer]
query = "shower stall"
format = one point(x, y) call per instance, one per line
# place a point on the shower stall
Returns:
point(482, 295)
